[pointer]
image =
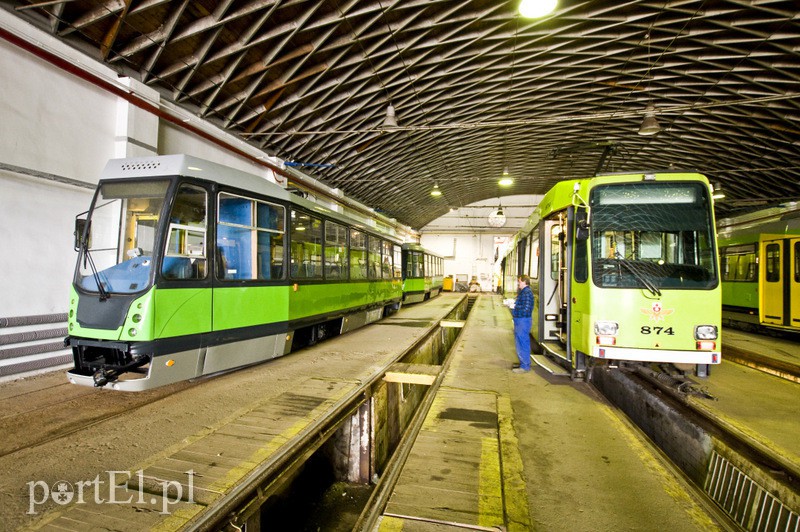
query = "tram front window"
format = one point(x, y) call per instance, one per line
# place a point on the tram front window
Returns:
point(653, 236)
point(118, 251)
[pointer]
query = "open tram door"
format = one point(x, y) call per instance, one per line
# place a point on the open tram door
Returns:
point(779, 281)
point(553, 319)
point(561, 236)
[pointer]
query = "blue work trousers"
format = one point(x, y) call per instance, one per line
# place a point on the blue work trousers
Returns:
point(522, 339)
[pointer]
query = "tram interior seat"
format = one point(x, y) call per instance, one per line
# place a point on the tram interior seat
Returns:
point(306, 270)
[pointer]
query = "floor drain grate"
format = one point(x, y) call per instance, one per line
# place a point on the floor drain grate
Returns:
point(750, 505)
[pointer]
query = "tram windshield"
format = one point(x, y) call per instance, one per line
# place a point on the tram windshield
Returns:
point(652, 236)
point(117, 254)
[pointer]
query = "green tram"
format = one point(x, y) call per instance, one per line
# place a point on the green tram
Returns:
point(189, 268)
point(423, 273)
point(760, 268)
point(623, 268)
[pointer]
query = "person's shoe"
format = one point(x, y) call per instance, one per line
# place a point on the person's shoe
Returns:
point(520, 370)
point(515, 365)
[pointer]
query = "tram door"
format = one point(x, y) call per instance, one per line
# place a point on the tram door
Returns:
point(779, 282)
point(552, 291)
point(794, 283)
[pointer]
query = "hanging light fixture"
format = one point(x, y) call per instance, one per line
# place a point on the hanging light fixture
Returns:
point(649, 125)
point(536, 8)
point(717, 192)
point(436, 192)
point(506, 180)
point(391, 119)
point(497, 218)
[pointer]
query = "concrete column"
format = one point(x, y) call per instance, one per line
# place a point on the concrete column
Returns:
point(136, 133)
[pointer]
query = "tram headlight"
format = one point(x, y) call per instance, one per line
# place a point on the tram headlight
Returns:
point(606, 328)
point(705, 332)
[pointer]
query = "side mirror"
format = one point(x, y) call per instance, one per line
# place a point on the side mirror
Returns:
point(582, 225)
point(80, 229)
point(582, 231)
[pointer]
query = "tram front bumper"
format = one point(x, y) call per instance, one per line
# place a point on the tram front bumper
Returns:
point(656, 355)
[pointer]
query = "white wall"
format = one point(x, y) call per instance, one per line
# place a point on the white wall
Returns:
point(58, 131)
point(174, 139)
point(470, 255)
point(52, 121)
point(53, 125)
point(37, 257)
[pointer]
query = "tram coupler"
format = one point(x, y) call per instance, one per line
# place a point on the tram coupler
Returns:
point(104, 375)
point(703, 370)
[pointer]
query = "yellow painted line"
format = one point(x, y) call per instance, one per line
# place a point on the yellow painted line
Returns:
point(518, 515)
point(490, 492)
point(390, 524)
point(431, 418)
point(177, 519)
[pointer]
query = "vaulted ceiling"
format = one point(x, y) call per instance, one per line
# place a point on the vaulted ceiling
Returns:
point(475, 87)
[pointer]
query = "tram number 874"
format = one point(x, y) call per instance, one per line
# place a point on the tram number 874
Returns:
point(657, 330)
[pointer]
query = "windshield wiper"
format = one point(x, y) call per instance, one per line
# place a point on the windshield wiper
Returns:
point(647, 283)
point(103, 293)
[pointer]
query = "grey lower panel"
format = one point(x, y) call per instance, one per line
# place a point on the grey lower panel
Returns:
point(246, 352)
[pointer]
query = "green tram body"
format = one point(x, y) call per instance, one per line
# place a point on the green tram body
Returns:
point(760, 268)
point(423, 274)
point(623, 268)
point(205, 268)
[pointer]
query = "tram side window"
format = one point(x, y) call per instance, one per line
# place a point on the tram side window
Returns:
point(581, 255)
point(386, 260)
point(185, 253)
point(414, 269)
point(534, 267)
point(374, 257)
point(398, 264)
point(773, 272)
point(555, 249)
point(306, 246)
point(797, 262)
point(738, 263)
point(728, 263)
point(358, 255)
point(335, 251)
point(249, 238)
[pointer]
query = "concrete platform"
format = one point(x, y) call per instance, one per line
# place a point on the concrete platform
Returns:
point(531, 452)
point(775, 355)
point(785, 349)
point(221, 428)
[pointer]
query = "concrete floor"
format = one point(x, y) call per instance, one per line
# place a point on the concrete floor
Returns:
point(581, 464)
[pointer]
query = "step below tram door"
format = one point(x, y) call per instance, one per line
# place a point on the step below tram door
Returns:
point(553, 287)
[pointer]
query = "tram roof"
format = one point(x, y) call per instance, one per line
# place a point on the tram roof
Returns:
point(190, 166)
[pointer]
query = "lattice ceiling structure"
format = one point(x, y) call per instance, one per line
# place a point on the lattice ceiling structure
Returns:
point(476, 88)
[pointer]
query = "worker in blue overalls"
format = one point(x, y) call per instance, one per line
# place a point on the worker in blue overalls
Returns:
point(521, 313)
